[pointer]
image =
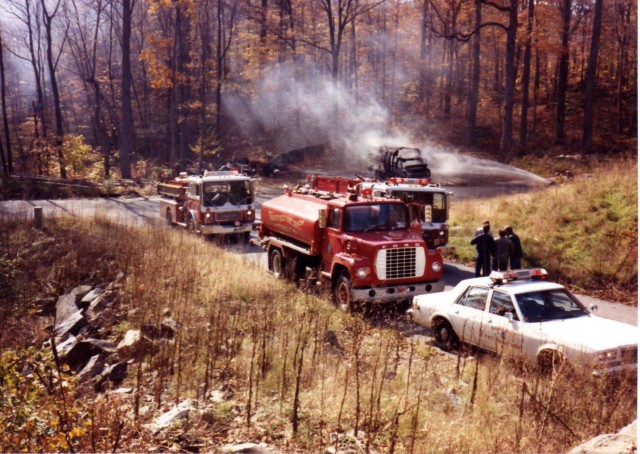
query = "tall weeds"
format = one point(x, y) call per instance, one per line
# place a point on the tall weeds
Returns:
point(295, 371)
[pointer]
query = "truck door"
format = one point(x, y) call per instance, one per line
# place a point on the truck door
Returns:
point(332, 240)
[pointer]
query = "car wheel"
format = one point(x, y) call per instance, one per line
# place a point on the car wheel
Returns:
point(246, 236)
point(277, 263)
point(342, 293)
point(444, 335)
point(551, 363)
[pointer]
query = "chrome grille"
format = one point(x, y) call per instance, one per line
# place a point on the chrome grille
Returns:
point(400, 263)
point(222, 216)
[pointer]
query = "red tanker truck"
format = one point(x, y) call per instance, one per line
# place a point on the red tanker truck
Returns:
point(362, 247)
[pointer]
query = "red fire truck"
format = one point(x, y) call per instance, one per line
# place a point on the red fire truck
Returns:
point(217, 203)
point(428, 202)
point(363, 247)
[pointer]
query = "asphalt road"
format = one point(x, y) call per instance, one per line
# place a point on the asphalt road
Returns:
point(144, 210)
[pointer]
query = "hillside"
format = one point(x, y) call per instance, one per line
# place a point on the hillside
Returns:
point(582, 229)
point(242, 357)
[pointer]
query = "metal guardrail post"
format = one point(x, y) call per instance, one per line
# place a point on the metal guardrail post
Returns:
point(38, 218)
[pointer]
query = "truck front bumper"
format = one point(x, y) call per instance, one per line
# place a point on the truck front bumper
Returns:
point(392, 293)
point(224, 229)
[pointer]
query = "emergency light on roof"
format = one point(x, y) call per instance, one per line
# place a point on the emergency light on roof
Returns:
point(421, 181)
point(220, 173)
point(502, 277)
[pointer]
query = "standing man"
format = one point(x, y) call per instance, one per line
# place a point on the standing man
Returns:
point(485, 247)
point(479, 229)
point(504, 251)
point(516, 255)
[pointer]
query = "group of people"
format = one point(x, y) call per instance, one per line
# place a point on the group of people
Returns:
point(500, 253)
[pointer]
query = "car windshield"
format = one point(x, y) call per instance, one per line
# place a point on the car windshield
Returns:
point(217, 193)
point(380, 216)
point(547, 305)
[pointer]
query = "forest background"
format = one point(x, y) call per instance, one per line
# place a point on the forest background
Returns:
point(120, 88)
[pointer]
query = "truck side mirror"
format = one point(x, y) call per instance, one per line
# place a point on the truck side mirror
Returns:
point(322, 218)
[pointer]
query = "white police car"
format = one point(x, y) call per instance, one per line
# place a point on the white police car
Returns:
point(519, 313)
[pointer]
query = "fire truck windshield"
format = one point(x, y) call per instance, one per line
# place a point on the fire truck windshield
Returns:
point(381, 216)
point(436, 200)
point(217, 193)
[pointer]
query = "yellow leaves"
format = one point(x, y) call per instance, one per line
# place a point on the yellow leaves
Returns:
point(77, 432)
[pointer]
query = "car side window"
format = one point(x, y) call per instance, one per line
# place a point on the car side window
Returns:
point(501, 304)
point(475, 297)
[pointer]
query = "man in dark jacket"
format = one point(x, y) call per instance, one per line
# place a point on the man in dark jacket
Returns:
point(485, 247)
point(516, 255)
point(504, 250)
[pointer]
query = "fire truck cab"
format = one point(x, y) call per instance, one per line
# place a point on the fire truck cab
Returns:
point(217, 203)
point(428, 202)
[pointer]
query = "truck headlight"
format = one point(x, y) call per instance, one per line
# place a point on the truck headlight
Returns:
point(362, 272)
point(207, 216)
point(436, 266)
point(607, 356)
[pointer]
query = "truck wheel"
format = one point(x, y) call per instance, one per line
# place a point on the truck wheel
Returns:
point(342, 293)
point(169, 218)
point(246, 236)
point(444, 335)
point(276, 260)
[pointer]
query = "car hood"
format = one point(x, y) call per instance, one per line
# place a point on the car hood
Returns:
point(589, 333)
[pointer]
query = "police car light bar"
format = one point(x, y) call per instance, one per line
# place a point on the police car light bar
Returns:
point(502, 277)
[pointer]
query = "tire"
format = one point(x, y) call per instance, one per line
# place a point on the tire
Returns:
point(277, 263)
point(191, 225)
point(342, 293)
point(169, 217)
point(444, 335)
point(246, 236)
point(551, 363)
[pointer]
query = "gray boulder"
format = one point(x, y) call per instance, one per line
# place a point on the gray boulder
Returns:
point(71, 324)
point(172, 417)
point(78, 356)
point(93, 368)
point(97, 305)
point(135, 345)
point(66, 306)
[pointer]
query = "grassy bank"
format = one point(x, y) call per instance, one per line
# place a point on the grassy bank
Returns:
point(294, 372)
point(583, 230)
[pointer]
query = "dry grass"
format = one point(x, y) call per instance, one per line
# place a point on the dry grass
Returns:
point(584, 231)
point(294, 370)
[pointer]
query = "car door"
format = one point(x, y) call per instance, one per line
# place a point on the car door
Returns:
point(502, 329)
point(467, 312)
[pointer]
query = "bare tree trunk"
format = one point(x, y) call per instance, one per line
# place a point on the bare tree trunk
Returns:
point(510, 82)
point(425, 62)
point(48, 19)
point(589, 90)
point(7, 164)
point(475, 79)
point(126, 125)
point(563, 70)
point(526, 74)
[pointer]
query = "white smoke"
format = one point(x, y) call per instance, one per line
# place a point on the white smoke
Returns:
point(363, 126)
